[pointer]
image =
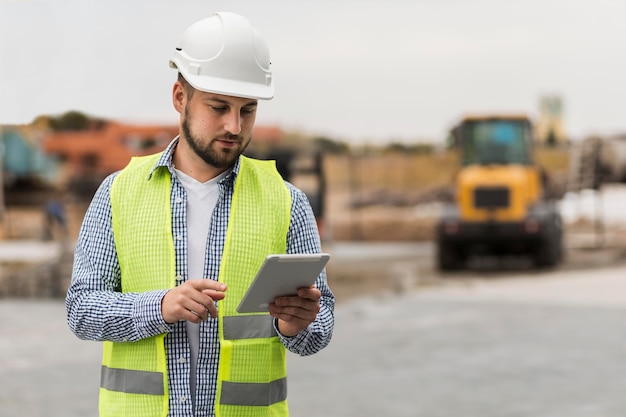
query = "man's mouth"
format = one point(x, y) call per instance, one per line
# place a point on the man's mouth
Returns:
point(228, 143)
point(229, 140)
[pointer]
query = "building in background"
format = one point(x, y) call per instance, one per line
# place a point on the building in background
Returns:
point(549, 126)
point(87, 156)
point(22, 160)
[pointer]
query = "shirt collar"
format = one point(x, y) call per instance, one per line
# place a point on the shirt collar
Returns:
point(166, 162)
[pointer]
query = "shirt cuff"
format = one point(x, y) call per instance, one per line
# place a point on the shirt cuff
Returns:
point(148, 314)
point(292, 342)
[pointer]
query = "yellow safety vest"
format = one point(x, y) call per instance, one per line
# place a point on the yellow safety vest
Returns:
point(252, 366)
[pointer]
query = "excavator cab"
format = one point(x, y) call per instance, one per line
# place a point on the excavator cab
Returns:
point(495, 141)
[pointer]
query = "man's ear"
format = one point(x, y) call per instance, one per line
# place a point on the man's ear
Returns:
point(179, 96)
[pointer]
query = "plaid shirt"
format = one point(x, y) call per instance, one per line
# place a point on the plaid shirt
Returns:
point(97, 310)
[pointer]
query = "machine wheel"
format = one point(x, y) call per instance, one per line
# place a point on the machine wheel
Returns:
point(448, 257)
point(549, 251)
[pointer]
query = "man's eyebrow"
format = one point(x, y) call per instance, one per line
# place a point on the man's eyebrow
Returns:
point(222, 101)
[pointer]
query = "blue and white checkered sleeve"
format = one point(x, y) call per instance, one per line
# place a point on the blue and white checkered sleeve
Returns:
point(96, 307)
point(303, 237)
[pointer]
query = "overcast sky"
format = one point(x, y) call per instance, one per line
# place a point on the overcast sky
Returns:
point(361, 71)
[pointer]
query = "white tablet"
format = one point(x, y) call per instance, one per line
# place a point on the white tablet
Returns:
point(281, 275)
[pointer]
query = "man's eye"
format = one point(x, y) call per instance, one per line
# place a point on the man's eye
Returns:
point(219, 109)
point(248, 110)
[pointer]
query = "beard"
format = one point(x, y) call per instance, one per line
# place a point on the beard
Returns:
point(212, 153)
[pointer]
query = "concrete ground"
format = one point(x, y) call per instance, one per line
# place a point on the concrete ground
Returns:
point(44, 369)
point(536, 344)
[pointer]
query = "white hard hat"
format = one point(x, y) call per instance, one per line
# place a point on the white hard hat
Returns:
point(224, 54)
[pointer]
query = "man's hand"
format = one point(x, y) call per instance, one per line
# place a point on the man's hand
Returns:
point(193, 301)
point(295, 313)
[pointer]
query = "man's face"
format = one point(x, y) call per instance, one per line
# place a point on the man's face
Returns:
point(217, 128)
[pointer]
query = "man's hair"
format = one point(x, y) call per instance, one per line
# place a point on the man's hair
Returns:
point(188, 88)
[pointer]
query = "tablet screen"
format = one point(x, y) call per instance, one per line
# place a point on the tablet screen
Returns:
point(281, 274)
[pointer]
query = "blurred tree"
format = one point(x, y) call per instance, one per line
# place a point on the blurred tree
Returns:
point(416, 148)
point(422, 148)
point(325, 144)
point(72, 120)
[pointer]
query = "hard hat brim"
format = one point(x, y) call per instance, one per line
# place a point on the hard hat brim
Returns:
point(227, 87)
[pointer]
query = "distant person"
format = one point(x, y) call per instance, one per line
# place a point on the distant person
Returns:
point(170, 244)
point(55, 216)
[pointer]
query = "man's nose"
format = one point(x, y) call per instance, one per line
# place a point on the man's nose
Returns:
point(233, 123)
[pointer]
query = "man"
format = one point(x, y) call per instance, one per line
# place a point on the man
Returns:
point(169, 245)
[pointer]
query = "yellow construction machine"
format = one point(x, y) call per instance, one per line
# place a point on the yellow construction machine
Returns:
point(500, 206)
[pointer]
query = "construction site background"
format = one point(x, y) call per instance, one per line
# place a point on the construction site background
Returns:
point(377, 198)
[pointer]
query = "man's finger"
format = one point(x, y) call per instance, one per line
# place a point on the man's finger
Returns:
point(207, 284)
point(215, 295)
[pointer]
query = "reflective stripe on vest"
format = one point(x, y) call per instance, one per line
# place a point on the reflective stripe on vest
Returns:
point(151, 383)
point(248, 327)
point(250, 394)
point(132, 382)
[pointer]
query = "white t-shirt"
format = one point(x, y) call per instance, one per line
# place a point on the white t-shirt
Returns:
point(201, 200)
